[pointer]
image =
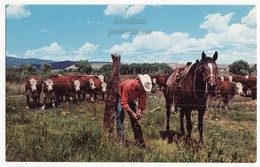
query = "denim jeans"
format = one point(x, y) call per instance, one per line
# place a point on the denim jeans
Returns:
point(120, 123)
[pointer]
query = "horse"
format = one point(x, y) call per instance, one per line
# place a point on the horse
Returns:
point(189, 91)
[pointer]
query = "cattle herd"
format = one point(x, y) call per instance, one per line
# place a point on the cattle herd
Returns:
point(75, 88)
point(57, 87)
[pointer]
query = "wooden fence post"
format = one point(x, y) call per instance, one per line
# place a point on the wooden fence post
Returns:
point(110, 102)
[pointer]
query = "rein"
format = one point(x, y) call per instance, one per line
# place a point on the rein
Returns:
point(198, 69)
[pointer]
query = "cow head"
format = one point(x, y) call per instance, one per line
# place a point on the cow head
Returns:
point(238, 88)
point(76, 84)
point(101, 77)
point(33, 83)
point(92, 84)
point(49, 84)
point(104, 87)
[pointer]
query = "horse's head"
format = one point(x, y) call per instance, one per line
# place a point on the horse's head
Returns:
point(209, 69)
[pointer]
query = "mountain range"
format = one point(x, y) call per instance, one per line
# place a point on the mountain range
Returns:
point(17, 62)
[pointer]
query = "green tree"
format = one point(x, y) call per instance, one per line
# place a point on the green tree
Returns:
point(46, 67)
point(252, 69)
point(84, 66)
point(239, 67)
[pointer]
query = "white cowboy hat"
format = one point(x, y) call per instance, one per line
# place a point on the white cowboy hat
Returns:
point(146, 82)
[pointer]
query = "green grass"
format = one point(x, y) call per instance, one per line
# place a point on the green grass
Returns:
point(74, 133)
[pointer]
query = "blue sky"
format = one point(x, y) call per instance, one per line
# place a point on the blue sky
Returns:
point(140, 33)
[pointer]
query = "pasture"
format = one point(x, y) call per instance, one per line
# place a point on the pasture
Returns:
point(74, 133)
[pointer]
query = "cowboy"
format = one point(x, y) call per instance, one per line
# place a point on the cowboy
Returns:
point(129, 91)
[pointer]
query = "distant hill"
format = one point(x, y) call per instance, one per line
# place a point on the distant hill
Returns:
point(17, 62)
point(57, 65)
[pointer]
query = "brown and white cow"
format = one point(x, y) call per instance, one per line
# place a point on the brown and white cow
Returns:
point(160, 80)
point(64, 87)
point(86, 85)
point(225, 92)
point(248, 82)
point(33, 89)
point(100, 88)
point(49, 94)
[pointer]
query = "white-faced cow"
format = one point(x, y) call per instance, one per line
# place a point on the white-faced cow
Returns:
point(225, 92)
point(49, 94)
point(33, 89)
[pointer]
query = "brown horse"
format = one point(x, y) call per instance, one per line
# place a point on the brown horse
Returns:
point(190, 91)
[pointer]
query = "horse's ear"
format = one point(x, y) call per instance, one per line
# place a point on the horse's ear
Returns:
point(203, 56)
point(197, 61)
point(215, 56)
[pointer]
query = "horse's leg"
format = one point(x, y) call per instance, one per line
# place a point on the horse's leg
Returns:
point(200, 125)
point(182, 112)
point(168, 115)
point(188, 121)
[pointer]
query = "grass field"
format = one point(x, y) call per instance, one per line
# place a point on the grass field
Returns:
point(74, 133)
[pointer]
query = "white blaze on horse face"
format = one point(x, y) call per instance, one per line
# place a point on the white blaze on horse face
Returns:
point(211, 72)
point(33, 84)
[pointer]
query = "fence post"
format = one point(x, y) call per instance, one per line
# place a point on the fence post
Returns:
point(110, 102)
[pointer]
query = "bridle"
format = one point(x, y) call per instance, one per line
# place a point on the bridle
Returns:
point(198, 70)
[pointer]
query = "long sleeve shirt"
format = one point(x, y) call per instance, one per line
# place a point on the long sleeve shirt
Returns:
point(130, 90)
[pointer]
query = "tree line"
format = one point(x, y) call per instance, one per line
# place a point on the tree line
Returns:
point(19, 75)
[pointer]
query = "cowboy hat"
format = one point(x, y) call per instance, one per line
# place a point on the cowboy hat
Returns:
point(146, 82)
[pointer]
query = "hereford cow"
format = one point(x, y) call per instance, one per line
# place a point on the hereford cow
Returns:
point(225, 92)
point(33, 89)
point(64, 87)
point(248, 82)
point(160, 80)
point(86, 85)
point(226, 78)
point(77, 83)
point(49, 94)
point(100, 88)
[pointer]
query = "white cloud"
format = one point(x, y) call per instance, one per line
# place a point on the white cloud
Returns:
point(46, 52)
point(235, 41)
point(250, 19)
point(125, 35)
point(124, 10)
point(86, 49)
point(216, 22)
point(7, 54)
point(56, 52)
point(17, 12)
point(134, 9)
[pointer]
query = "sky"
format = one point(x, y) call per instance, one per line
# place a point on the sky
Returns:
point(139, 33)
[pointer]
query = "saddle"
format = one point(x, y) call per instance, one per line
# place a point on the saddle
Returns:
point(178, 75)
point(176, 79)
